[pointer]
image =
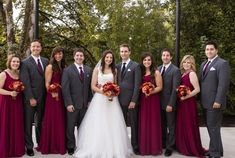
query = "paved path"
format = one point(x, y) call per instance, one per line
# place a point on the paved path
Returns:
point(228, 138)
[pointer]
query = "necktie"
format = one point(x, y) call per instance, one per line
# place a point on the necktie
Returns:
point(81, 74)
point(123, 69)
point(40, 67)
point(163, 71)
point(205, 68)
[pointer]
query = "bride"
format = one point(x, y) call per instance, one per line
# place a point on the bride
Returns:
point(103, 132)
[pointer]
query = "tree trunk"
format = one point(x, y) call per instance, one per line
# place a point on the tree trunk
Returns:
point(9, 23)
point(25, 36)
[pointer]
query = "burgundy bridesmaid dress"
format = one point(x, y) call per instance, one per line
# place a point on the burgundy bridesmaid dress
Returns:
point(52, 139)
point(188, 141)
point(12, 142)
point(150, 133)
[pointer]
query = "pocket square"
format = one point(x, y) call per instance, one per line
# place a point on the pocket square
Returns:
point(129, 70)
point(212, 69)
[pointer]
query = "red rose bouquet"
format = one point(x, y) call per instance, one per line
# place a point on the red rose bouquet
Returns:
point(111, 89)
point(147, 88)
point(16, 86)
point(183, 91)
point(54, 89)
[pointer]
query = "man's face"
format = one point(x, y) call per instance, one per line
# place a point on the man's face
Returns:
point(166, 57)
point(125, 53)
point(35, 48)
point(210, 51)
point(79, 58)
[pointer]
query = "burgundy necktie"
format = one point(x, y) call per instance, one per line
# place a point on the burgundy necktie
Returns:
point(205, 68)
point(40, 67)
point(81, 74)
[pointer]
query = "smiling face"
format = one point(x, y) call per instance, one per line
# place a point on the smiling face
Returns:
point(108, 59)
point(166, 57)
point(35, 48)
point(147, 62)
point(58, 56)
point(187, 65)
point(79, 58)
point(125, 53)
point(210, 51)
point(14, 63)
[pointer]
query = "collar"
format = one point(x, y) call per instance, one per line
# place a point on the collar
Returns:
point(167, 65)
point(77, 65)
point(36, 58)
point(127, 61)
point(211, 60)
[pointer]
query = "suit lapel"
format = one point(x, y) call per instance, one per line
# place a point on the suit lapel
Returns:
point(34, 64)
point(76, 71)
point(210, 66)
point(168, 69)
point(127, 67)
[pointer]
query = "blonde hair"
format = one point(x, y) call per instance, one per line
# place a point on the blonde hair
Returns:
point(191, 59)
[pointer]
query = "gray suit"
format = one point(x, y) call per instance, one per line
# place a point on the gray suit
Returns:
point(171, 80)
point(77, 93)
point(129, 87)
point(34, 83)
point(214, 86)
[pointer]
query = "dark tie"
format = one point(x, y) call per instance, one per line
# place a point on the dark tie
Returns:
point(163, 71)
point(81, 74)
point(205, 68)
point(40, 67)
point(123, 69)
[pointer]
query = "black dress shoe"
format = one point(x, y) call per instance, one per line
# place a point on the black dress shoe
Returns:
point(207, 154)
point(30, 152)
point(213, 157)
point(70, 151)
point(168, 152)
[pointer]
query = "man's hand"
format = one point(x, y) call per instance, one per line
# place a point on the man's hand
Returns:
point(70, 108)
point(33, 102)
point(131, 105)
point(169, 108)
point(216, 105)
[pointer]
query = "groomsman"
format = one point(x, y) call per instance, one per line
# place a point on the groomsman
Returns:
point(32, 75)
point(214, 79)
point(171, 80)
point(129, 80)
point(76, 89)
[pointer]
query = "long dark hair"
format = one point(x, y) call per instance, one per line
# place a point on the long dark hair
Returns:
point(152, 66)
point(112, 65)
point(54, 63)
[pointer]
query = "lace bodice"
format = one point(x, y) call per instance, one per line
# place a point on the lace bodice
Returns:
point(104, 78)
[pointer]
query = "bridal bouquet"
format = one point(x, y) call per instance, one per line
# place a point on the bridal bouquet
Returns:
point(111, 89)
point(183, 91)
point(16, 86)
point(147, 88)
point(54, 89)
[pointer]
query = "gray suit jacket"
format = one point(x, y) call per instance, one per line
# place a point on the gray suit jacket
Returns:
point(171, 80)
point(129, 84)
point(33, 80)
point(215, 83)
point(75, 92)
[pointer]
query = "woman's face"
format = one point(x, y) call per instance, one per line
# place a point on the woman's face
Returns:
point(108, 59)
point(15, 63)
point(58, 56)
point(147, 62)
point(187, 64)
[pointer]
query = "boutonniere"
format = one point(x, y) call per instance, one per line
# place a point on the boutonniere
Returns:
point(87, 75)
point(212, 69)
point(129, 70)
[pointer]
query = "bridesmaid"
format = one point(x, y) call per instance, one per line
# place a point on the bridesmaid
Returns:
point(150, 136)
point(188, 141)
point(52, 139)
point(11, 112)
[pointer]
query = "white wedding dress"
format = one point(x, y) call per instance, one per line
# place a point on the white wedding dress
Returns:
point(103, 132)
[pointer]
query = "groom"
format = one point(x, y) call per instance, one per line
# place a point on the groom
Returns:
point(129, 79)
point(76, 81)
